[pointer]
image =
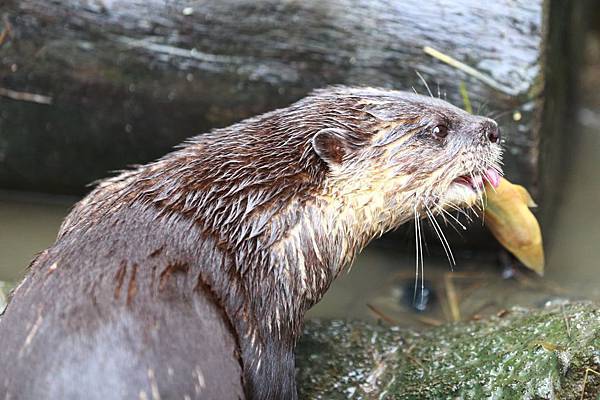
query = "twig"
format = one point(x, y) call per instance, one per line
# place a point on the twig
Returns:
point(446, 311)
point(465, 96)
point(381, 315)
point(470, 71)
point(452, 297)
point(562, 308)
point(24, 96)
point(6, 32)
point(585, 378)
point(428, 320)
point(408, 354)
point(488, 304)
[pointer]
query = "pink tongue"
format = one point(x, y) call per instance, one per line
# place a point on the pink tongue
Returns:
point(492, 176)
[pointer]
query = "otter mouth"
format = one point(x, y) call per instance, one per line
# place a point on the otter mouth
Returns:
point(477, 181)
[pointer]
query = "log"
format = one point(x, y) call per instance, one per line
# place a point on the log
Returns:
point(90, 86)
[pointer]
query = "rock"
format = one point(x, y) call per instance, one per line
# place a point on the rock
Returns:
point(525, 354)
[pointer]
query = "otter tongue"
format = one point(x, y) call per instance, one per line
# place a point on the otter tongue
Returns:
point(493, 177)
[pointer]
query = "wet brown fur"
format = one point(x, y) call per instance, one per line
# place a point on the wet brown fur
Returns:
point(205, 261)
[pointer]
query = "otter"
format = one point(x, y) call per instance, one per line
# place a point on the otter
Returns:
point(188, 277)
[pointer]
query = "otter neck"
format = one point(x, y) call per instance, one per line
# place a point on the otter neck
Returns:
point(323, 237)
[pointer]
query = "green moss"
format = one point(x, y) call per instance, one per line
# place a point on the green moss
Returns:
point(539, 354)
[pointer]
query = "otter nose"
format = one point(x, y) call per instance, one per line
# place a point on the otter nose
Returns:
point(494, 134)
point(492, 131)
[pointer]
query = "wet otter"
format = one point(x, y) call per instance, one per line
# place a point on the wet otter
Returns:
point(189, 277)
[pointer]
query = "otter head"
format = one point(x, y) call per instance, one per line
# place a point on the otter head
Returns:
point(407, 156)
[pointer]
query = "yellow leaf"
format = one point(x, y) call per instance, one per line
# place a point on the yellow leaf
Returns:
point(508, 217)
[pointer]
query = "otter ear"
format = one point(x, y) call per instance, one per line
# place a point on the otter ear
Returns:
point(329, 145)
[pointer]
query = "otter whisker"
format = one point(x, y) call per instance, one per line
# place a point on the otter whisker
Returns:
point(419, 254)
point(416, 256)
point(483, 196)
point(417, 245)
point(464, 213)
point(484, 176)
point(476, 209)
point(481, 107)
point(421, 257)
point(460, 211)
point(472, 208)
point(479, 194)
point(482, 208)
point(483, 190)
point(448, 222)
point(454, 218)
point(490, 184)
point(497, 165)
point(424, 83)
point(498, 114)
point(439, 209)
point(440, 234)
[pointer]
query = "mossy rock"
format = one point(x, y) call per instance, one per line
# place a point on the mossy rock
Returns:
point(524, 354)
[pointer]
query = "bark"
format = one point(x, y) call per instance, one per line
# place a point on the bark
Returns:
point(89, 86)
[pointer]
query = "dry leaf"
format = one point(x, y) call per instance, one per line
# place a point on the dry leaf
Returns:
point(508, 217)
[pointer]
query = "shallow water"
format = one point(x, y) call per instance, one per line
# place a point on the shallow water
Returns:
point(28, 224)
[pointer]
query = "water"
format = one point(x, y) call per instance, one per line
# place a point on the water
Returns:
point(28, 225)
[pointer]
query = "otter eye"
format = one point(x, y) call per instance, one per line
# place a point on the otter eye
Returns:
point(440, 131)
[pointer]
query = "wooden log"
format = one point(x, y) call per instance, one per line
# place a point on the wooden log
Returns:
point(89, 86)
